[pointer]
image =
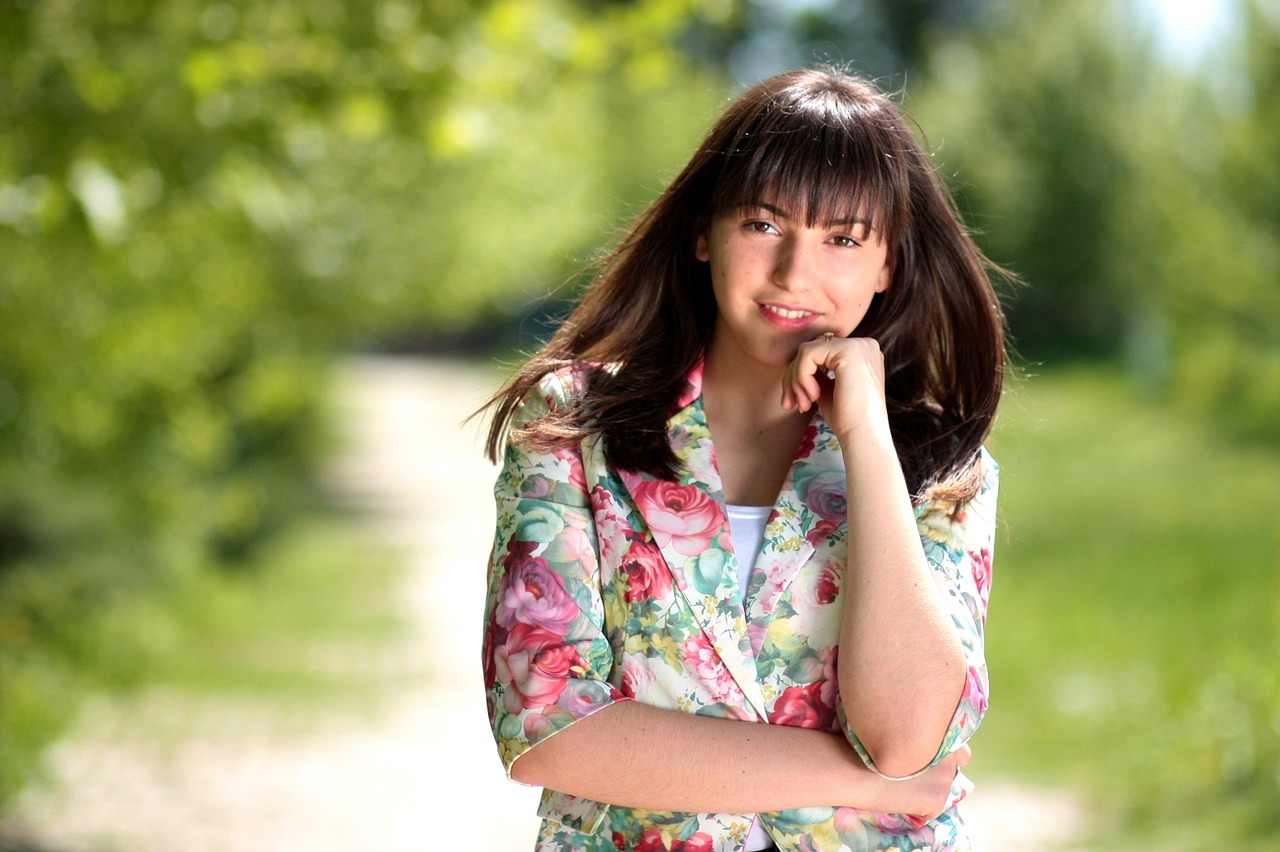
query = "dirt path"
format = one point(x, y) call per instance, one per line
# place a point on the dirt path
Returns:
point(238, 780)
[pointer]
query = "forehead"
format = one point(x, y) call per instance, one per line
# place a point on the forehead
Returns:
point(818, 196)
point(774, 207)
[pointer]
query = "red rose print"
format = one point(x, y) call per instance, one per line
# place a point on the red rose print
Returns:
point(808, 442)
point(651, 841)
point(700, 842)
point(647, 574)
point(601, 500)
point(802, 707)
point(821, 530)
point(829, 582)
point(494, 635)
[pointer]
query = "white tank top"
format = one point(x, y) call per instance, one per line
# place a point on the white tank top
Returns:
point(746, 528)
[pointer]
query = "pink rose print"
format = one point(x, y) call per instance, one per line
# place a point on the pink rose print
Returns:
point(829, 693)
point(973, 691)
point(619, 840)
point(802, 707)
point(898, 823)
point(703, 659)
point(577, 473)
point(981, 561)
point(572, 545)
point(848, 820)
point(647, 574)
point(679, 516)
point(534, 664)
point(533, 593)
point(651, 841)
point(825, 494)
point(637, 677)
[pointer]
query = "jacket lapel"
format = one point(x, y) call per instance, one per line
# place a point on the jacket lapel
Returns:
point(688, 522)
point(810, 508)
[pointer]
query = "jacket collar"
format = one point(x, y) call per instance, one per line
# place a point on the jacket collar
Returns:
point(689, 523)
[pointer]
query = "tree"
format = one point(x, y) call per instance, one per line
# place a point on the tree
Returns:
point(201, 204)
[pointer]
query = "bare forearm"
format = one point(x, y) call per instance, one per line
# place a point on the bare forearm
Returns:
point(636, 755)
point(901, 666)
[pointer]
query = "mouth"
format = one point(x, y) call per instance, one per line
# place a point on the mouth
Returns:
point(787, 313)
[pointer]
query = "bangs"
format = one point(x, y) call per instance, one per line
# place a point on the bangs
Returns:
point(822, 158)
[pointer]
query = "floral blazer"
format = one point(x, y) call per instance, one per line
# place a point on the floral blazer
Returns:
point(608, 586)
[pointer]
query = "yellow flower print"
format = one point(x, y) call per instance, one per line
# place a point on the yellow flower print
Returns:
point(768, 691)
point(683, 704)
point(935, 525)
point(784, 637)
point(793, 543)
point(510, 748)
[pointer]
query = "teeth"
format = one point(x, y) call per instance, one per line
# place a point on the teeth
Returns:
point(783, 312)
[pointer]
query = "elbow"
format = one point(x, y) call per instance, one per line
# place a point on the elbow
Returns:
point(529, 769)
point(904, 760)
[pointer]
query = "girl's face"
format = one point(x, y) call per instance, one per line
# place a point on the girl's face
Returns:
point(779, 282)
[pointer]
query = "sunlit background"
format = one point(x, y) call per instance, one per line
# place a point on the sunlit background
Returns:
point(258, 260)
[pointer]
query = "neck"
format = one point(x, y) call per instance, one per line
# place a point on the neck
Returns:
point(755, 438)
point(743, 391)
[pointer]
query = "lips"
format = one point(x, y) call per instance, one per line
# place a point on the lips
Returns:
point(787, 317)
point(786, 313)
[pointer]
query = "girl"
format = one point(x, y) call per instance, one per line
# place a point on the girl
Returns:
point(745, 520)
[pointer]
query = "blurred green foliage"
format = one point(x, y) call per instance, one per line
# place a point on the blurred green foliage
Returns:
point(1135, 195)
point(202, 203)
point(1135, 616)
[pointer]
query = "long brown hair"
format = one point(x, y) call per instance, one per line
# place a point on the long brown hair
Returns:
point(827, 146)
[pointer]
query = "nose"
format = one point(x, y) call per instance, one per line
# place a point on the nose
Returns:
point(795, 266)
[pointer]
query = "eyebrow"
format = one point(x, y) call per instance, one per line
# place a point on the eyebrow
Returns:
point(782, 214)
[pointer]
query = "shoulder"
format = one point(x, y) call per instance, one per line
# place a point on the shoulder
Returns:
point(990, 469)
point(957, 525)
point(557, 391)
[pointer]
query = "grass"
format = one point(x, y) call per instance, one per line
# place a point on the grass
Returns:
point(1134, 621)
point(297, 636)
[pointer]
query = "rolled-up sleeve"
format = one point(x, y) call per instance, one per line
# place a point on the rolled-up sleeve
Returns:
point(546, 659)
point(959, 543)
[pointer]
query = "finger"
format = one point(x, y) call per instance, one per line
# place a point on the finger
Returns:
point(798, 387)
point(808, 376)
